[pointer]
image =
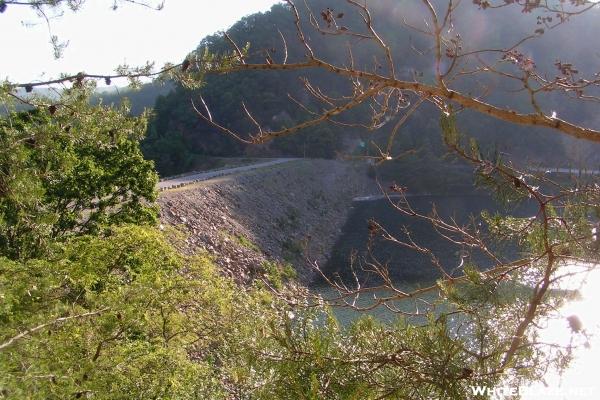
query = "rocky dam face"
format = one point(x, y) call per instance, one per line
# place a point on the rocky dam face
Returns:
point(285, 214)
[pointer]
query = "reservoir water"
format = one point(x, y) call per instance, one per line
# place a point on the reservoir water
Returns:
point(410, 270)
point(406, 265)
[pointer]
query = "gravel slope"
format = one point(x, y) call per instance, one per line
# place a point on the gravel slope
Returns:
point(286, 212)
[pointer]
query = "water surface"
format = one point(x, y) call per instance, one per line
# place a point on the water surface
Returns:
point(411, 270)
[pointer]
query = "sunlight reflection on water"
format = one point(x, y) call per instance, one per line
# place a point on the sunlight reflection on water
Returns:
point(582, 374)
point(581, 379)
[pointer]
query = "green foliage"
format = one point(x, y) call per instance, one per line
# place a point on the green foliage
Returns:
point(96, 303)
point(139, 100)
point(450, 132)
point(292, 249)
point(176, 124)
point(68, 171)
point(241, 240)
point(136, 343)
point(118, 314)
point(170, 154)
point(278, 274)
point(247, 243)
point(318, 358)
point(265, 94)
point(125, 316)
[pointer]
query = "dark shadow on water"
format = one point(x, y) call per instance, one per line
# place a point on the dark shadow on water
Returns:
point(406, 266)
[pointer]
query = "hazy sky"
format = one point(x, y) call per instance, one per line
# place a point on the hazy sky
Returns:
point(101, 39)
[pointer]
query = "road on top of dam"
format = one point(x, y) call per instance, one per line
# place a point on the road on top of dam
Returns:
point(193, 177)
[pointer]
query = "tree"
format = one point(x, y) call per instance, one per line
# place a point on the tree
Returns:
point(70, 170)
point(275, 98)
point(511, 297)
point(451, 60)
point(114, 311)
point(93, 300)
point(115, 317)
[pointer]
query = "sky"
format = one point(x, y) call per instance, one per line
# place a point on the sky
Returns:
point(100, 39)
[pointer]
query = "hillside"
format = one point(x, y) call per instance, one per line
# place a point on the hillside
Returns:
point(236, 220)
point(177, 136)
point(140, 99)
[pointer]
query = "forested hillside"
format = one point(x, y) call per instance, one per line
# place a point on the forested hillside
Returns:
point(139, 100)
point(108, 294)
point(177, 136)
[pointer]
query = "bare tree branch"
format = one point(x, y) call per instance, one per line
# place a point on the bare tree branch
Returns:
point(34, 329)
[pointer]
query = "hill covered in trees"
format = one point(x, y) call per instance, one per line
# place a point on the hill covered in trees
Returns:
point(140, 99)
point(100, 301)
point(177, 136)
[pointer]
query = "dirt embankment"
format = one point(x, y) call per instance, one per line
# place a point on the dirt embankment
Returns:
point(283, 214)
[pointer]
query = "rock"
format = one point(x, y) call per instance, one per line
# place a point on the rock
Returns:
point(257, 206)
